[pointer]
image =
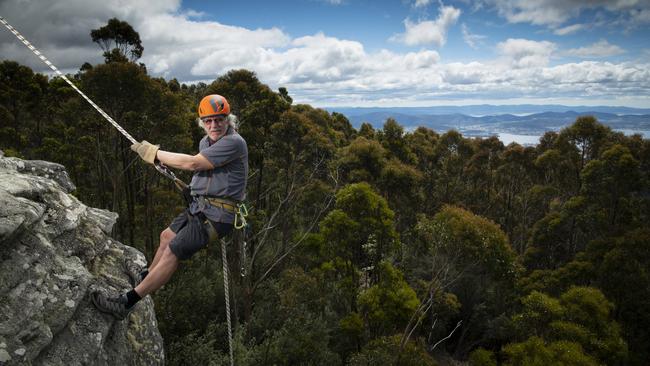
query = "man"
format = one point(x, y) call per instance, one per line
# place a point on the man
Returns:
point(219, 182)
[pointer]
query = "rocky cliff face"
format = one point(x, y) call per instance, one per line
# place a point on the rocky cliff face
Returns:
point(54, 251)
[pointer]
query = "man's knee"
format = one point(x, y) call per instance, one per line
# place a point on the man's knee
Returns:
point(166, 237)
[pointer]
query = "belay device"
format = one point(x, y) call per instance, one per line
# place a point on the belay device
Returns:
point(240, 213)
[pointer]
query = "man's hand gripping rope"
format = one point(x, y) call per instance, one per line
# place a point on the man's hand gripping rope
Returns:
point(146, 150)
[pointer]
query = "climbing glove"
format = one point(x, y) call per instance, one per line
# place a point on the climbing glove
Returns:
point(146, 151)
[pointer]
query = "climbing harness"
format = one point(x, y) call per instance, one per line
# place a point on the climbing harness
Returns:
point(240, 209)
point(204, 202)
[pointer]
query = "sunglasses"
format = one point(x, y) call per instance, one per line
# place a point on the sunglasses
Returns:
point(218, 119)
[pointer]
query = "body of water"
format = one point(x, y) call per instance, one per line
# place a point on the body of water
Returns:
point(508, 138)
point(528, 140)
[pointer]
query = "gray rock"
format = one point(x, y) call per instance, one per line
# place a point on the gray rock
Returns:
point(50, 170)
point(54, 251)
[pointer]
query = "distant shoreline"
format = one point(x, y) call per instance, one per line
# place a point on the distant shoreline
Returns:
point(510, 124)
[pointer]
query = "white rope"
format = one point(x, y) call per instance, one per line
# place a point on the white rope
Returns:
point(59, 73)
point(224, 261)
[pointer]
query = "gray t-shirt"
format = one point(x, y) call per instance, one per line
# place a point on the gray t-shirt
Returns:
point(229, 155)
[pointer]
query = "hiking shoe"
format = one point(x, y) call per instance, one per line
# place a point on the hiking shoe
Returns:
point(115, 306)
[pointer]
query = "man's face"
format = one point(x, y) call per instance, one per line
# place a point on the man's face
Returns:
point(215, 126)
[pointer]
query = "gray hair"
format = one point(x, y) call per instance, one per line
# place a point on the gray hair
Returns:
point(233, 122)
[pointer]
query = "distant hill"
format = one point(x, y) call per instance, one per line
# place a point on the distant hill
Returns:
point(487, 120)
point(487, 109)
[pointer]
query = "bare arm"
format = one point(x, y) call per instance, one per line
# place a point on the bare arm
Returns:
point(184, 161)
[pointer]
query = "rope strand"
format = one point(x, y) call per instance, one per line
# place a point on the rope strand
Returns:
point(224, 261)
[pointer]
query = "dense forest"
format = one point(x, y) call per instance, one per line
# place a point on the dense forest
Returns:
point(365, 246)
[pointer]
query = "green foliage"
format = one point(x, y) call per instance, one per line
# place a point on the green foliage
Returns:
point(607, 264)
point(538, 311)
point(198, 348)
point(581, 317)
point(22, 110)
point(341, 124)
point(366, 130)
point(562, 233)
point(472, 241)
point(535, 352)
point(298, 341)
point(422, 143)
point(362, 160)
point(119, 41)
point(400, 184)
point(587, 136)
point(451, 151)
point(361, 227)
point(352, 324)
point(609, 183)
point(425, 237)
point(389, 304)
point(387, 351)
point(392, 138)
point(623, 273)
point(470, 257)
point(482, 357)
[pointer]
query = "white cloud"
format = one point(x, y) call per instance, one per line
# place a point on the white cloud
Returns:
point(318, 69)
point(421, 3)
point(428, 31)
point(190, 45)
point(640, 16)
point(191, 13)
point(174, 44)
point(569, 29)
point(319, 59)
point(471, 39)
point(524, 53)
point(553, 13)
point(494, 81)
point(542, 12)
point(601, 48)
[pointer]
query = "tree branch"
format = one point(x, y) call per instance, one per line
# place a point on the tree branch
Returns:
point(447, 337)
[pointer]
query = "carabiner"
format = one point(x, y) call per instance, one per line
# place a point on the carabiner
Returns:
point(240, 216)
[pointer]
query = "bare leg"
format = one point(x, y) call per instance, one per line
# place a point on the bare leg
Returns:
point(166, 236)
point(159, 274)
point(161, 270)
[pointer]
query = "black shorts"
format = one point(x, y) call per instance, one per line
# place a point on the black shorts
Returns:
point(192, 234)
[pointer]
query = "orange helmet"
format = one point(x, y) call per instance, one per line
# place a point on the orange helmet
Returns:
point(213, 105)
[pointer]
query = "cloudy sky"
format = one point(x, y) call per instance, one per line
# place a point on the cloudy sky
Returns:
point(368, 52)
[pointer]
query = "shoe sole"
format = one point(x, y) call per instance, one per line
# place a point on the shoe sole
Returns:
point(93, 298)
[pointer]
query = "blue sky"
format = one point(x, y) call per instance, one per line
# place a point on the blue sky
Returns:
point(370, 53)
point(373, 23)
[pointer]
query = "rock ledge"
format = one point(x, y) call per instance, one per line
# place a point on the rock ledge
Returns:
point(54, 251)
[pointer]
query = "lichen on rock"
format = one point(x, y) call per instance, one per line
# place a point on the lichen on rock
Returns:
point(54, 251)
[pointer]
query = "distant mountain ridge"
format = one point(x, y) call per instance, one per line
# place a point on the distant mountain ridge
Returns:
point(488, 109)
point(476, 121)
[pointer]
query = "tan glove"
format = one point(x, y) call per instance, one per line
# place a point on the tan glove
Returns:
point(146, 151)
